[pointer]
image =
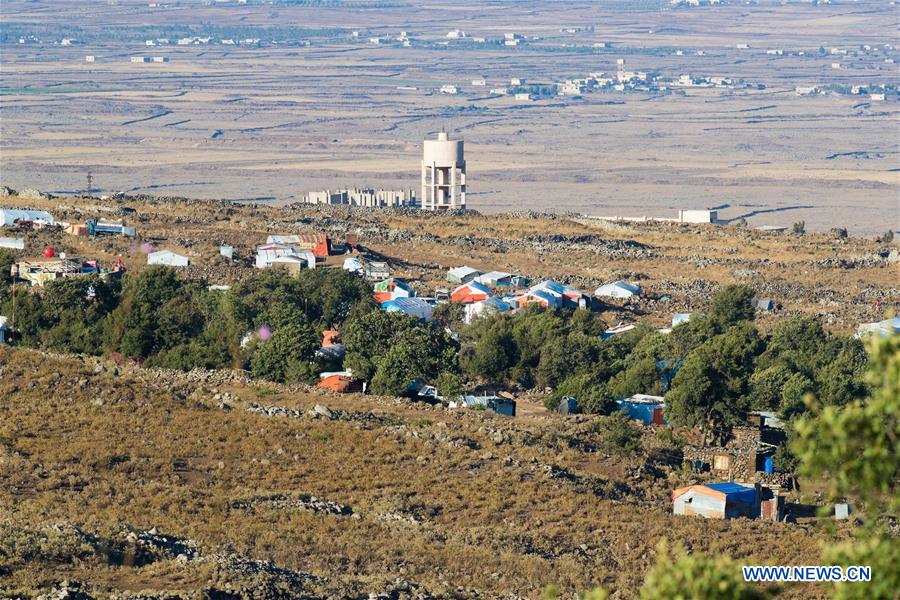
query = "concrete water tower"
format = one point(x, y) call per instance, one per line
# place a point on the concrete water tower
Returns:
point(443, 174)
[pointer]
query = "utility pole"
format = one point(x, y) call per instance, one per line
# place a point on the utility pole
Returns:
point(90, 182)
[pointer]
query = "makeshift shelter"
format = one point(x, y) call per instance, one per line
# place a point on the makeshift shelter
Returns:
point(168, 258)
point(568, 406)
point(462, 274)
point(268, 254)
point(470, 292)
point(502, 406)
point(317, 243)
point(679, 318)
point(294, 263)
point(618, 289)
point(376, 270)
point(391, 289)
point(540, 297)
point(3, 329)
point(763, 304)
point(644, 408)
point(716, 501)
point(495, 279)
point(340, 383)
point(414, 307)
point(353, 264)
point(566, 296)
point(486, 307)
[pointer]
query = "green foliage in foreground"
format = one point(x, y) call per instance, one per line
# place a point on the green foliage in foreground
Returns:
point(856, 448)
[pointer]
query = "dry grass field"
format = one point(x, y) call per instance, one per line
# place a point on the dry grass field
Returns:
point(447, 503)
point(272, 121)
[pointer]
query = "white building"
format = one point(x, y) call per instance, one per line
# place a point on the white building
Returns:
point(480, 82)
point(698, 216)
point(89, 58)
point(449, 89)
point(524, 97)
point(169, 258)
point(3, 329)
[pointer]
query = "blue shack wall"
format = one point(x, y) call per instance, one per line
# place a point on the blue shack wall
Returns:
point(639, 411)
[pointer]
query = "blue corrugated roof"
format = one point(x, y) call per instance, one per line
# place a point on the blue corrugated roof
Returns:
point(734, 491)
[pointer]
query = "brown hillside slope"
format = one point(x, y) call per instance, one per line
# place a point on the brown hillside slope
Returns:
point(452, 504)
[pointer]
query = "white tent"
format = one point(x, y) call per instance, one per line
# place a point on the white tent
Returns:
point(167, 257)
point(618, 289)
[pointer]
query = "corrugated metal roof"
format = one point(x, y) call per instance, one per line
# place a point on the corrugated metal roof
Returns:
point(727, 490)
point(475, 286)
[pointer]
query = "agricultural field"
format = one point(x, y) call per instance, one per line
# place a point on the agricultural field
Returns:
point(297, 103)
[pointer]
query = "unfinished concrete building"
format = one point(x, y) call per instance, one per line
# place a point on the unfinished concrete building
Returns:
point(362, 197)
point(443, 174)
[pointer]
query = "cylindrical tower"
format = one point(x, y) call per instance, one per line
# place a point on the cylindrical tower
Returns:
point(443, 174)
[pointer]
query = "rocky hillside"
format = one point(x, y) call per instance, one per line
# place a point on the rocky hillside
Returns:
point(843, 281)
point(134, 483)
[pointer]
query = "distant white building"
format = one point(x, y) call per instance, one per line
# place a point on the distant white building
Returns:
point(480, 82)
point(89, 58)
point(3, 329)
point(877, 96)
point(524, 97)
point(140, 59)
point(697, 216)
point(516, 81)
point(168, 258)
point(449, 89)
